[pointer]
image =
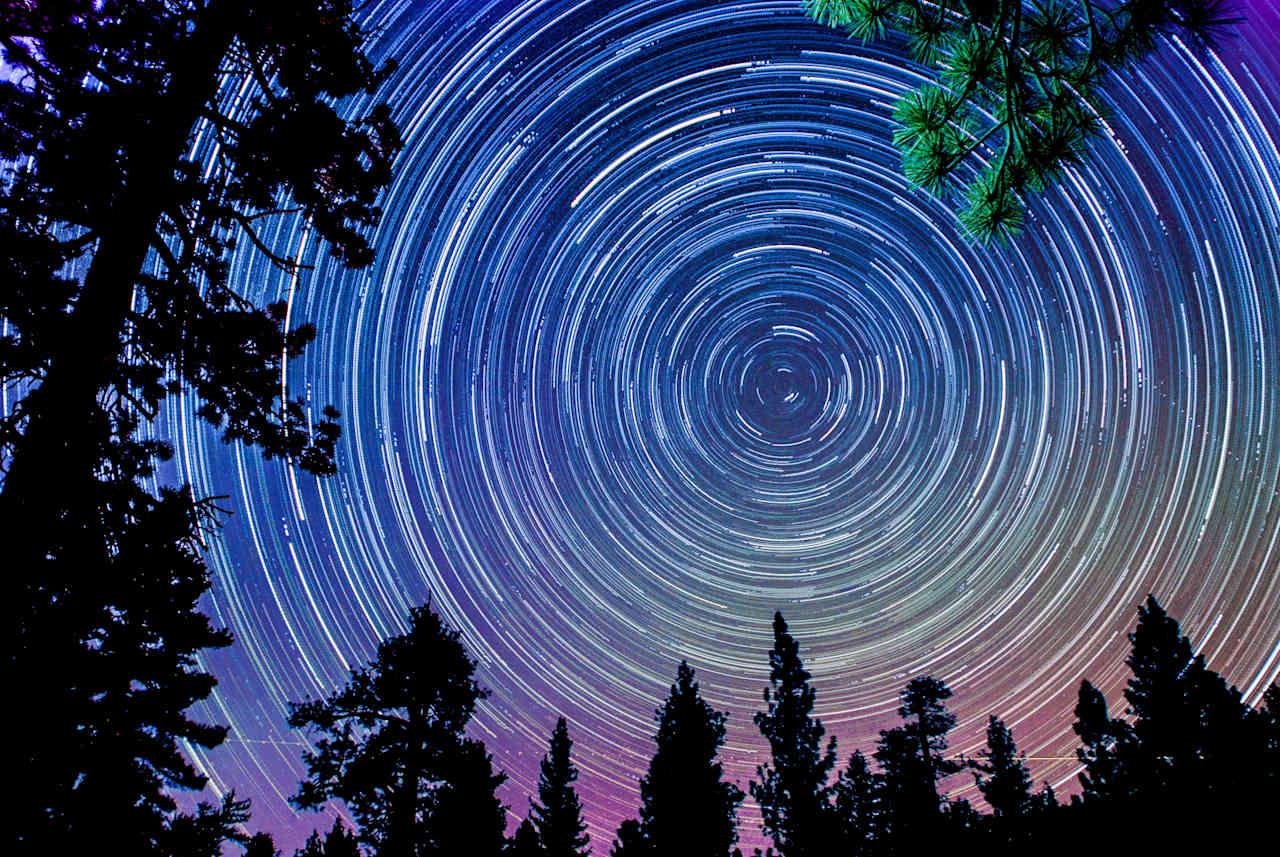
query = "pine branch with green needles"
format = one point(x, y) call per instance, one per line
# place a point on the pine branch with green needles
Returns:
point(1018, 86)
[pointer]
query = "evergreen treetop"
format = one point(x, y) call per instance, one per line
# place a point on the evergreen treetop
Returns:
point(685, 804)
point(1001, 772)
point(913, 760)
point(792, 791)
point(524, 842)
point(557, 814)
point(391, 745)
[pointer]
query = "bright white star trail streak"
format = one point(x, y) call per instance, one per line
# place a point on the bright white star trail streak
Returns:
point(659, 341)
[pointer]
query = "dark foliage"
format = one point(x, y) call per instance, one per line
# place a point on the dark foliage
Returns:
point(113, 296)
point(794, 797)
point(524, 842)
point(686, 807)
point(631, 841)
point(557, 813)
point(1018, 86)
point(111, 665)
point(859, 815)
point(913, 760)
point(1003, 779)
point(1189, 741)
point(391, 745)
point(338, 842)
point(261, 845)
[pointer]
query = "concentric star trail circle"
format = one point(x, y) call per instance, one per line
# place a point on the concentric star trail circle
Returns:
point(659, 341)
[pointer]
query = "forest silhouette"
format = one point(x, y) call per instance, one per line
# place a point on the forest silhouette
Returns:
point(1187, 761)
point(129, 177)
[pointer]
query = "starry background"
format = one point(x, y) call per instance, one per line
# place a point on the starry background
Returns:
point(659, 341)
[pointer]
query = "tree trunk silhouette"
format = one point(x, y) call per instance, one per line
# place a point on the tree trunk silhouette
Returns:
point(53, 463)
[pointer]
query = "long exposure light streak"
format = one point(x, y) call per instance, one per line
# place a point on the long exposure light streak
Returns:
point(660, 341)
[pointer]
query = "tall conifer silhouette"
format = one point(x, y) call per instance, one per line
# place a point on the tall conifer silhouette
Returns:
point(793, 793)
point(557, 814)
point(913, 760)
point(1001, 775)
point(857, 806)
point(686, 807)
point(114, 295)
point(391, 745)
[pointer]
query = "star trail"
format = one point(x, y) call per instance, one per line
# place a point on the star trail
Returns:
point(659, 341)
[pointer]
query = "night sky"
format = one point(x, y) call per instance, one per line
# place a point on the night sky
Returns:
point(659, 341)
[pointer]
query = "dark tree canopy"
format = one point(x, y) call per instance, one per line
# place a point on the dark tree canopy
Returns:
point(1003, 779)
point(114, 295)
point(1018, 86)
point(913, 760)
point(391, 745)
point(686, 807)
point(1187, 731)
point(630, 841)
point(524, 842)
point(1002, 775)
point(857, 807)
point(792, 790)
point(557, 813)
point(338, 842)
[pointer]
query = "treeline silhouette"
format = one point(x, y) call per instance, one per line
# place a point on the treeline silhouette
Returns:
point(1189, 759)
point(140, 142)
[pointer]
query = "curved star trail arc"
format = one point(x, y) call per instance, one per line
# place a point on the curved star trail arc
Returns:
point(659, 341)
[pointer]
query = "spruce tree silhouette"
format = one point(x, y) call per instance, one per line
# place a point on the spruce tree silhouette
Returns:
point(391, 745)
point(1002, 777)
point(1016, 85)
point(1191, 744)
point(114, 295)
point(686, 807)
point(913, 760)
point(111, 664)
point(338, 842)
point(263, 845)
point(1184, 716)
point(630, 841)
point(557, 814)
point(857, 809)
point(524, 842)
point(794, 797)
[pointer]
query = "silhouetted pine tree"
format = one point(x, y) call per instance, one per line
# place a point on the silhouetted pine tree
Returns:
point(630, 841)
point(685, 805)
point(110, 662)
point(1105, 748)
point(857, 809)
point(1003, 779)
point(1185, 717)
point(557, 814)
point(131, 234)
point(390, 744)
point(792, 792)
point(912, 761)
point(1193, 748)
point(114, 295)
point(524, 842)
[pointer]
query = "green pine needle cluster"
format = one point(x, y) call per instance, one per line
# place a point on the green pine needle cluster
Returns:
point(1018, 86)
